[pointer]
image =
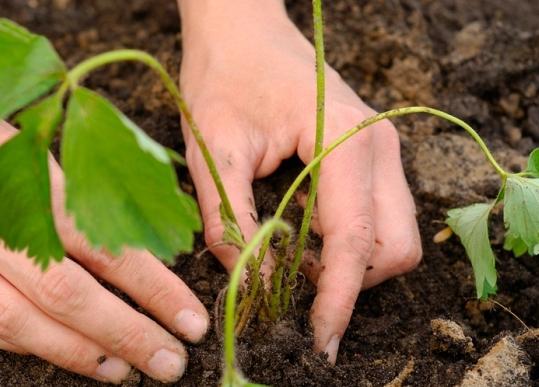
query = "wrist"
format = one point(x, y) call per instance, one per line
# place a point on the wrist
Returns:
point(214, 18)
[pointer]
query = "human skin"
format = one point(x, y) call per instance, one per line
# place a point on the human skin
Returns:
point(248, 76)
point(66, 317)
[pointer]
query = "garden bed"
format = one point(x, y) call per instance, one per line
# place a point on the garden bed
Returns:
point(477, 60)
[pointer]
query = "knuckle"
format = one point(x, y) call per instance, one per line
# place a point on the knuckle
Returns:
point(409, 253)
point(12, 319)
point(348, 116)
point(390, 135)
point(74, 358)
point(60, 291)
point(128, 341)
point(157, 293)
point(342, 117)
point(213, 232)
point(360, 236)
point(125, 265)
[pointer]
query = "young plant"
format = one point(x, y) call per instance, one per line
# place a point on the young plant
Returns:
point(232, 376)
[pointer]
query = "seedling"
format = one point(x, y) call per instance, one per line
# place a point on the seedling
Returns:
point(122, 190)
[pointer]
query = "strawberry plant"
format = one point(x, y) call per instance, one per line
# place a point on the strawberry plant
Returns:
point(122, 189)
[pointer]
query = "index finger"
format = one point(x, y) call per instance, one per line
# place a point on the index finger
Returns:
point(346, 222)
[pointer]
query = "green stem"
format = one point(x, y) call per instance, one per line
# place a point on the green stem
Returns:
point(266, 230)
point(372, 120)
point(277, 279)
point(315, 173)
point(365, 123)
point(106, 58)
point(318, 23)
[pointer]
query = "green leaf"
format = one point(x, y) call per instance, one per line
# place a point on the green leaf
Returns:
point(26, 219)
point(521, 210)
point(515, 244)
point(120, 184)
point(29, 67)
point(533, 162)
point(471, 225)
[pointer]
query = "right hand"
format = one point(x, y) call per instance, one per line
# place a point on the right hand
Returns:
point(65, 316)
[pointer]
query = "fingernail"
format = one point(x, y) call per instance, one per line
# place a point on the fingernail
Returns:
point(191, 325)
point(332, 348)
point(113, 370)
point(167, 366)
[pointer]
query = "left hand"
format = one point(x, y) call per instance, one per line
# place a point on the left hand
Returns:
point(248, 76)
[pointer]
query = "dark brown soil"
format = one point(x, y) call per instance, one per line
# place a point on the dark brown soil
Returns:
point(476, 59)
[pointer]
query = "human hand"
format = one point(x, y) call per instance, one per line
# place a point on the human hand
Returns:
point(248, 76)
point(66, 317)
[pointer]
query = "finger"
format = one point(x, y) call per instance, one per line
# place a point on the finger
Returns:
point(5, 346)
point(237, 173)
point(398, 247)
point(138, 273)
point(27, 329)
point(398, 243)
point(346, 220)
point(73, 297)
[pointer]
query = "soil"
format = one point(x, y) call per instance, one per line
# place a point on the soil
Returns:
point(476, 59)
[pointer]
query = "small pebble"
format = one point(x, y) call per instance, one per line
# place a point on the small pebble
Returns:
point(513, 134)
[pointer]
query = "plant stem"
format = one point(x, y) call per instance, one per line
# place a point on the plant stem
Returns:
point(365, 123)
point(100, 60)
point(266, 230)
point(318, 23)
point(280, 264)
point(372, 120)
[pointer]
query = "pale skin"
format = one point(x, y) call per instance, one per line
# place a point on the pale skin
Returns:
point(248, 76)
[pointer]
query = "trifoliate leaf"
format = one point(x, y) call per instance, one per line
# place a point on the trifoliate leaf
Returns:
point(26, 219)
point(515, 244)
point(533, 162)
point(29, 67)
point(471, 225)
point(120, 184)
point(521, 210)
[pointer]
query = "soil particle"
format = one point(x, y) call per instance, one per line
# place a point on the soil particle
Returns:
point(449, 337)
point(504, 365)
point(468, 43)
point(513, 133)
point(511, 105)
point(533, 121)
point(452, 169)
point(529, 341)
point(403, 375)
point(411, 80)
